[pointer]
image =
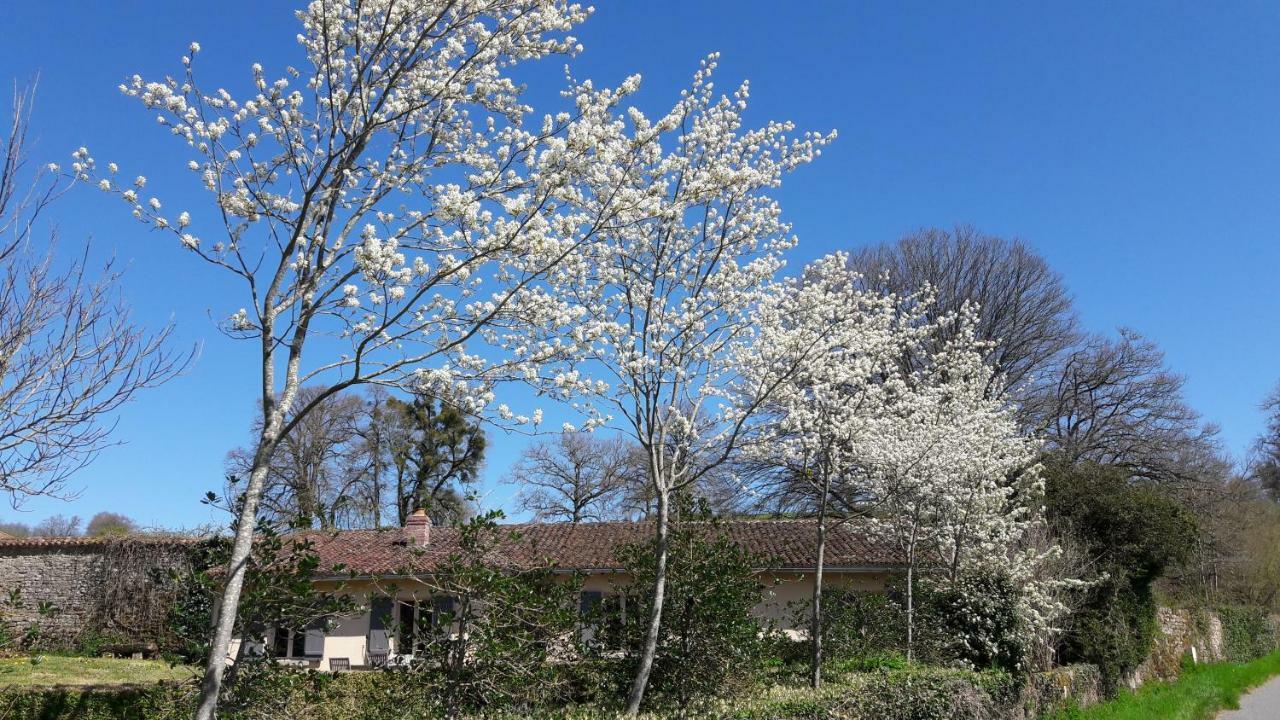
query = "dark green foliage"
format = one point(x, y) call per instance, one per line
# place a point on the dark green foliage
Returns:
point(437, 454)
point(1113, 629)
point(1135, 533)
point(488, 645)
point(907, 694)
point(974, 621)
point(1247, 632)
point(710, 644)
point(856, 626)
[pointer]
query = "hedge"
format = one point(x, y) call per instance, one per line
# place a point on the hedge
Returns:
point(895, 694)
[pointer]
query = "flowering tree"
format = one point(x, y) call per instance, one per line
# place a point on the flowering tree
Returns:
point(667, 302)
point(389, 213)
point(832, 418)
point(957, 484)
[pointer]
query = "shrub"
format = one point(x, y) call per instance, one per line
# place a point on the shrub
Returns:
point(1247, 632)
point(855, 625)
point(1135, 532)
point(710, 644)
point(491, 648)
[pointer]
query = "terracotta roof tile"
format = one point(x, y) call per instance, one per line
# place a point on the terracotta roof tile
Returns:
point(590, 546)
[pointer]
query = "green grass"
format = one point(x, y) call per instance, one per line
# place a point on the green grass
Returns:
point(43, 670)
point(1198, 694)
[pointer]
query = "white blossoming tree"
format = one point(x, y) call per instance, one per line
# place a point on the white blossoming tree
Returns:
point(388, 212)
point(956, 483)
point(881, 421)
point(831, 355)
point(668, 300)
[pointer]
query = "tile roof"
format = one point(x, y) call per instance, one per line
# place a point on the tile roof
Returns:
point(784, 544)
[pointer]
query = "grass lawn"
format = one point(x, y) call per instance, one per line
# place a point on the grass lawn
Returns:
point(62, 670)
point(1197, 695)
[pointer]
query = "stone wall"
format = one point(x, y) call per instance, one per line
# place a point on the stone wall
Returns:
point(1180, 633)
point(113, 590)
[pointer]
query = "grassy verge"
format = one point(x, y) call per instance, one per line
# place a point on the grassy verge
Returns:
point(48, 670)
point(1198, 694)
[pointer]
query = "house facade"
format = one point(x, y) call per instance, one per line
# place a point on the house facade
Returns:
point(387, 573)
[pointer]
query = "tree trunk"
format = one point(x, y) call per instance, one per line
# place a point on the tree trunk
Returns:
point(641, 681)
point(815, 626)
point(224, 623)
point(911, 618)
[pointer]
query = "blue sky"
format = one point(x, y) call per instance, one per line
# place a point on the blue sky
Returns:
point(1135, 145)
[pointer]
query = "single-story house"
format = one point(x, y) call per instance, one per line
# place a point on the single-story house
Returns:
point(384, 571)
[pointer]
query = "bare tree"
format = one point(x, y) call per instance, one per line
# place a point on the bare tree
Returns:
point(1024, 309)
point(1115, 403)
point(57, 526)
point(309, 481)
point(1264, 461)
point(15, 529)
point(70, 354)
point(577, 477)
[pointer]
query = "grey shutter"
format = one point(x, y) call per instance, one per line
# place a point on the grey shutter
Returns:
point(589, 600)
point(379, 615)
point(314, 644)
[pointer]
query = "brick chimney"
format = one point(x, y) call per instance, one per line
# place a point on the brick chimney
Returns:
point(418, 527)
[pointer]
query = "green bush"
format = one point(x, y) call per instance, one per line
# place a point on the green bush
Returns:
point(1135, 532)
point(710, 644)
point(1247, 632)
point(855, 625)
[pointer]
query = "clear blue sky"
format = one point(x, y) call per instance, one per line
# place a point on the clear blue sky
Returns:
point(1135, 145)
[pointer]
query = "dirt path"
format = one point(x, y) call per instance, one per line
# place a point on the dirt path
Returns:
point(1262, 703)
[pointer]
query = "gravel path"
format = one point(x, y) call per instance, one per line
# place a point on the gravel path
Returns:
point(1262, 703)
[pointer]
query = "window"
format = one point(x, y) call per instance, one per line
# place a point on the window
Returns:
point(407, 617)
point(602, 618)
point(299, 643)
point(414, 616)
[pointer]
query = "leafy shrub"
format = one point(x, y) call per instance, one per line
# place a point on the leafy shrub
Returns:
point(710, 644)
point(1135, 532)
point(1247, 632)
point(492, 649)
point(855, 625)
point(1114, 629)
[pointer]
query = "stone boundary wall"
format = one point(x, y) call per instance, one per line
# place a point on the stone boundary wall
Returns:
point(117, 590)
point(1179, 633)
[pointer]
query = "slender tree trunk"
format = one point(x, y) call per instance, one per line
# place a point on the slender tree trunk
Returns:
point(815, 625)
point(211, 685)
point(911, 619)
point(641, 681)
point(911, 616)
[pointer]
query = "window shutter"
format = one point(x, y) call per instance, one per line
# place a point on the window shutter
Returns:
point(589, 600)
point(314, 646)
point(379, 618)
point(440, 606)
point(379, 613)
